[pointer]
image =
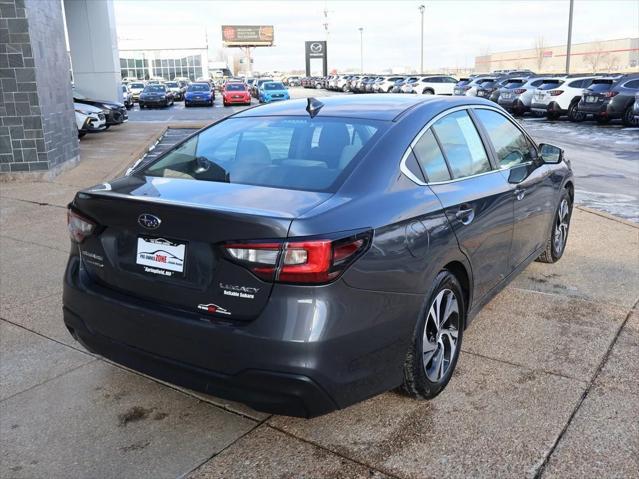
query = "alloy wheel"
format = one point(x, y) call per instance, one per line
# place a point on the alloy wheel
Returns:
point(439, 340)
point(561, 226)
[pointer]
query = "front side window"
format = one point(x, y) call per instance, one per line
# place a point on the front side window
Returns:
point(462, 145)
point(511, 145)
point(279, 152)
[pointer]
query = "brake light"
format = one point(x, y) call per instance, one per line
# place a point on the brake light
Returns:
point(609, 94)
point(519, 91)
point(555, 92)
point(79, 227)
point(313, 261)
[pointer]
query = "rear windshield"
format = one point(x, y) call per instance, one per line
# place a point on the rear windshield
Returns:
point(464, 82)
point(199, 87)
point(600, 85)
point(235, 87)
point(514, 84)
point(550, 84)
point(279, 152)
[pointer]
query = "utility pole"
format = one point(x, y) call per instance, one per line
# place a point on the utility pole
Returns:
point(421, 65)
point(361, 50)
point(568, 44)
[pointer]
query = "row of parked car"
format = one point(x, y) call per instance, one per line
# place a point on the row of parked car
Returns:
point(578, 96)
point(97, 115)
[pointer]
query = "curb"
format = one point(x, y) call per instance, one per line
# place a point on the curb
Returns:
point(608, 216)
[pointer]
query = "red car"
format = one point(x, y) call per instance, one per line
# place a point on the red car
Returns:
point(236, 93)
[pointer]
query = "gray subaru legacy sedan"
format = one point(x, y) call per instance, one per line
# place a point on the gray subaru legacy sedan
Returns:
point(303, 256)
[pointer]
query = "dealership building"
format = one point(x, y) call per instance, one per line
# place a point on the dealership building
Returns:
point(621, 55)
point(147, 52)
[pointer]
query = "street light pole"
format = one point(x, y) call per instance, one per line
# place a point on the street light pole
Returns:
point(361, 50)
point(421, 65)
point(568, 44)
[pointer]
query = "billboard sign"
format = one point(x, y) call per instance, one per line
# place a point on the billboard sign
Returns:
point(247, 35)
point(316, 50)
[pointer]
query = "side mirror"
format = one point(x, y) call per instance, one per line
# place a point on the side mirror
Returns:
point(551, 154)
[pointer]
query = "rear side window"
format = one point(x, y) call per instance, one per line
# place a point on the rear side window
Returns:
point(510, 143)
point(461, 145)
point(632, 84)
point(430, 158)
point(279, 152)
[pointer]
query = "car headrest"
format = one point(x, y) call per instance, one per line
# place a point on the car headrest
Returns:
point(253, 151)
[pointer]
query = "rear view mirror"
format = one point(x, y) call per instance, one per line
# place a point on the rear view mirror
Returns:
point(550, 153)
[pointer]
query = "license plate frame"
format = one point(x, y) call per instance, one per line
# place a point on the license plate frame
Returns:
point(161, 256)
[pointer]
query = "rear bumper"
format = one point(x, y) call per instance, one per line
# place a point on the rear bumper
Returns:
point(310, 351)
point(278, 393)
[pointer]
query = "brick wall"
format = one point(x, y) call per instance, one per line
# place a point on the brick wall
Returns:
point(37, 121)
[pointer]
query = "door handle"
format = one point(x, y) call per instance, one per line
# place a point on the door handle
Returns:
point(520, 193)
point(465, 214)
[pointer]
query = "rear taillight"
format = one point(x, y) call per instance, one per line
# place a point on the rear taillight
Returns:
point(312, 261)
point(519, 91)
point(79, 226)
point(609, 94)
point(555, 92)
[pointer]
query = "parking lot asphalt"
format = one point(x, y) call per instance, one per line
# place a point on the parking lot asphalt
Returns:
point(605, 158)
point(547, 384)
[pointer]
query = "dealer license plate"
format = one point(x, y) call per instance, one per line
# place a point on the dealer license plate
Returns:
point(160, 256)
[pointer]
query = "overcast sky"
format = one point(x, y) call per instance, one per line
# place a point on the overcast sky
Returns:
point(454, 31)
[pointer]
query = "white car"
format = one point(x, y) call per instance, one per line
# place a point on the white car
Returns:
point(434, 85)
point(386, 85)
point(127, 97)
point(559, 96)
point(88, 119)
point(136, 88)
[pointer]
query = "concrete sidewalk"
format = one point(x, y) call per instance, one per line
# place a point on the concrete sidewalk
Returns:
point(547, 384)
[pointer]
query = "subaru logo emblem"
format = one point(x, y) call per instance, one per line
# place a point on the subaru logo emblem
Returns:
point(149, 221)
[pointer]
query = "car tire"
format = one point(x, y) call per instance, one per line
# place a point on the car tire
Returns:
point(106, 127)
point(603, 120)
point(553, 115)
point(141, 106)
point(428, 92)
point(429, 367)
point(574, 114)
point(628, 117)
point(81, 133)
point(556, 242)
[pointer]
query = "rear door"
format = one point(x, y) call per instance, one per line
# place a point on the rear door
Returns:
point(476, 198)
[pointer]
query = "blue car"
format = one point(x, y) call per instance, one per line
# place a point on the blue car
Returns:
point(273, 91)
point(199, 94)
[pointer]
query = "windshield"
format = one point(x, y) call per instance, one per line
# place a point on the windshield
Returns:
point(137, 85)
point(154, 89)
point(171, 84)
point(312, 154)
point(273, 86)
point(199, 87)
point(235, 87)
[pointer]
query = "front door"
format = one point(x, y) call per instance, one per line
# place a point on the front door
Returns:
point(534, 192)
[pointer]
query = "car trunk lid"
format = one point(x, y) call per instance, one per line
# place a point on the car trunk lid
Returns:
point(159, 240)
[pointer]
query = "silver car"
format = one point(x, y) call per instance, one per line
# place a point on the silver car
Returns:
point(519, 99)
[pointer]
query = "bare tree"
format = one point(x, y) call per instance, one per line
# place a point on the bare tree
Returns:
point(539, 46)
point(596, 56)
point(610, 62)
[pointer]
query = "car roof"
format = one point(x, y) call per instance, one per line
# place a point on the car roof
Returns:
point(386, 107)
